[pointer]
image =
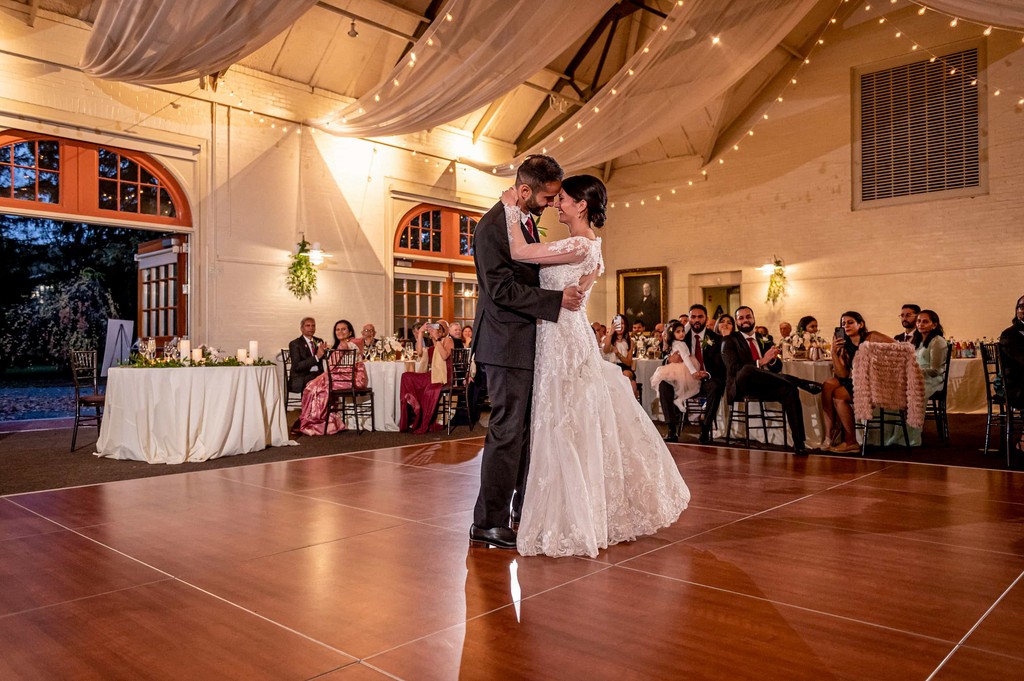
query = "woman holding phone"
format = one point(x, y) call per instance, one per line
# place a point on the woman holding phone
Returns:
point(837, 392)
point(619, 343)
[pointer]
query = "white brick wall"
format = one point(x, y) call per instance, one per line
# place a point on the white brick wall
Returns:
point(788, 192)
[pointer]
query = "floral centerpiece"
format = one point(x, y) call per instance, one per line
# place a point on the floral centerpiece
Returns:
point(211, 358)
point(384, 350)
point(805, 345)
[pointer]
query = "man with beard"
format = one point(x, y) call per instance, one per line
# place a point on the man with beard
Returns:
point(706, 348)
point(908, 318)
point(1011, 351)
point(504, 346)
point(753, 369)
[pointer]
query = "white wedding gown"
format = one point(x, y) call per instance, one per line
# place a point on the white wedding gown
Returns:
point(599, 471)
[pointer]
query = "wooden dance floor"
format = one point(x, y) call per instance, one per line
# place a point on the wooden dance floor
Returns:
point(357, 567)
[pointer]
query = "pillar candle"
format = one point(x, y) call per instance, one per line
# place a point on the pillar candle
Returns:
point(184, 349)
point(241, 354)
point(254, 349)
point(197, 354)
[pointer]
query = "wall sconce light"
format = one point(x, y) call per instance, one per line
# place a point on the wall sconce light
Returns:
point(352, 32)
point(777, 279)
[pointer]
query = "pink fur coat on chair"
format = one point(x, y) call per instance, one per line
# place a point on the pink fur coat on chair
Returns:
point(886, 375)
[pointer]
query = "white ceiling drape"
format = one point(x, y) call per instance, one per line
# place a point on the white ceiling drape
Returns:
point(473, 53)
point(170, 41)
point(1002, 13)
point(700, 50)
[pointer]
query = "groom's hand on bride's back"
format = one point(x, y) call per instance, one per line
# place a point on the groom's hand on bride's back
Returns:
point(572, 298)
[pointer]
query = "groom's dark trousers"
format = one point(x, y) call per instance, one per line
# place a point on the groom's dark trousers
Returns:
point(509, 303)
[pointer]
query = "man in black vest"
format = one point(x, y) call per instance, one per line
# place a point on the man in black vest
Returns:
point(509, 303)
point(706, 348)
point(753, 369)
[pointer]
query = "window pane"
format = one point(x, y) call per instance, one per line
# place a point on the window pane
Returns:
point(49, 155)
point(5, 154)
point(425, 240)
point(49, 187)
point(25, 154)
point(147, 199)
point(5, 181)
point(25, 184)
point(426, 220)
point(415, 221)
point(435, 308)
point(414, 238)
point(129, 198)
point(403, 241)
point(108, 194)
point(108, 164)
point(146, 177)
point(166, 205)
point(129, 170)
point(436, 242)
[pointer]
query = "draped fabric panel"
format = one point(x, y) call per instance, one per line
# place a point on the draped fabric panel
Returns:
point(169, 41)
point(1002, 13)
point(681, 69)
point(486, 49)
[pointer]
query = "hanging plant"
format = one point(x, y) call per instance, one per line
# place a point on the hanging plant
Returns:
point(301, 273)
point(777, 281)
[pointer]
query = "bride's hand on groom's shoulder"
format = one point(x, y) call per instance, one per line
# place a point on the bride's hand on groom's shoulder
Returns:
point(509, 196)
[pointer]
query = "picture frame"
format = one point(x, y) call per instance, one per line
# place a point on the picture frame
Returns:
point(632, 302)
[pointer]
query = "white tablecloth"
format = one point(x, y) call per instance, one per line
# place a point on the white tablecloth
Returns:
point(385, 379)
point(652, 405)
point(965, 392)
point(176, 415)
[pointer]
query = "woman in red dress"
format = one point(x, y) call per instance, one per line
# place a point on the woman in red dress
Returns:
point(421, 392)
point(314, 397)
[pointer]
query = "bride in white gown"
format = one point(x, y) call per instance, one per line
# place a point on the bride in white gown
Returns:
point(599, 471)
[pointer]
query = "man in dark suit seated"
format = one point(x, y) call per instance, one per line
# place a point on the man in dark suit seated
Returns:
point(706, 348)
point(307, 356)
point(753, 370)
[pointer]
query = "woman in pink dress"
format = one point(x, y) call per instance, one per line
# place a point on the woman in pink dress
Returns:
point(314, 397)
point(421, 392)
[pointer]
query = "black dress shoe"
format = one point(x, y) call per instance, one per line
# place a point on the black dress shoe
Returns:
point(671, 438)
point(811, 387)
point(705, 438)
point(800, 450)
point(498, 537)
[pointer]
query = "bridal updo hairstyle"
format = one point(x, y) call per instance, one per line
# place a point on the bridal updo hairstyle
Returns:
point(590, 189)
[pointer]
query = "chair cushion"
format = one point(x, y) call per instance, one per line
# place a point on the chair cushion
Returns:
point(92, 399)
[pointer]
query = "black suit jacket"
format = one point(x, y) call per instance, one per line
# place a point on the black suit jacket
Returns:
point(509, 298)
point(736, 355)
point(302, 361)
point(712, 355)
point(1011, 350)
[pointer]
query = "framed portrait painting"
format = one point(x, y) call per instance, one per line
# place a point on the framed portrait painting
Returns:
point(642, 295)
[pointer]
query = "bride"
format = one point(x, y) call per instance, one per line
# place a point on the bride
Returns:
point(599, 471)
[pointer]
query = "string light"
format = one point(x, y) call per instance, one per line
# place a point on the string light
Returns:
point(953, 69)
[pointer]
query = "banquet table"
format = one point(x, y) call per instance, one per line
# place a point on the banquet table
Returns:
point(385, 379)
point(178, 415)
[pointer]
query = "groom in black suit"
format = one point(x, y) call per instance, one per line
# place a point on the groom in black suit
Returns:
point(509, 303)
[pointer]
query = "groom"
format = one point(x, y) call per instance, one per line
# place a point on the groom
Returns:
point(509, 303)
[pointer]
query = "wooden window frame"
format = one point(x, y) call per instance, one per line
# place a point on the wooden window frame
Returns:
point(79, 183)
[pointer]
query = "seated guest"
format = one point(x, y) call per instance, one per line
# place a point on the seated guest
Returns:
point(908, 318)
point(1011, 350)
point(930, 349)
point(619, 348)
point(677, 380)
point(724, 326)
point(638, 330)
point(704, 349)
point(837, 392)
point(467, 336)
point(368, 337)
point(420, 393)
point(338, 377)
point(763, 332)
point(307, 354)
point(752, 367)
point(807, 324)
point(455, 333)
point(785, 330)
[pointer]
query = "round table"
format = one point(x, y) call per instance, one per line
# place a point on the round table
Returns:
point(385, 379)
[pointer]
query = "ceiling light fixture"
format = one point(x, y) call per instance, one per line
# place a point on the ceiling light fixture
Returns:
point(352, 32)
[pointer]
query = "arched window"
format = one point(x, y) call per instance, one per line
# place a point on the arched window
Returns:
point(434, 274)
point(40, 174)
point(50, 174)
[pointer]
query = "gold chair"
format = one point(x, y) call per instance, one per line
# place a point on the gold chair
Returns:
point(87, 392)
